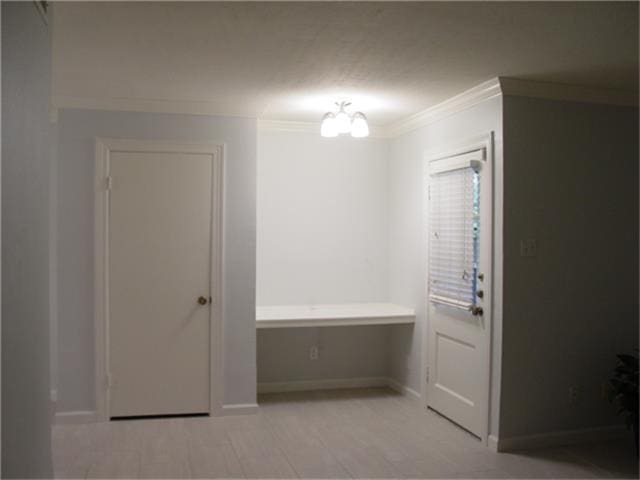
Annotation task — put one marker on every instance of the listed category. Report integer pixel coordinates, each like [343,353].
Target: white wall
[77,130]
[322,219]
[407,261]
[26,79]
[322,238]
[571,182]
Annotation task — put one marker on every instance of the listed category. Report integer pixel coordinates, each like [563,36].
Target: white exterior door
[159,244]
[459,286]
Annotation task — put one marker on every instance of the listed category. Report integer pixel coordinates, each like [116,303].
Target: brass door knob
[203,300]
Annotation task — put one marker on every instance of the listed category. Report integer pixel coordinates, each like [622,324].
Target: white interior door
[459,287]
[159,283]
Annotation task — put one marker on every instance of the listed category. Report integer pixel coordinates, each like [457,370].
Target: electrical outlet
[313,353]
[574,395]
[528,247]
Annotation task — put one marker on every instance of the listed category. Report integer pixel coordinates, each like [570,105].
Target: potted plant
[624,391]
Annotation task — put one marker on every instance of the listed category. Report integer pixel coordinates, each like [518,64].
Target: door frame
[102,184]
[486,142]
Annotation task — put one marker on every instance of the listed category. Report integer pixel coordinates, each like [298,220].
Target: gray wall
[344,352]
[571,181]
[77,130]
[407,263]
[26,79]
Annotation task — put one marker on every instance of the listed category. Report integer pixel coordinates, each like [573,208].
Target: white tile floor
[364,433]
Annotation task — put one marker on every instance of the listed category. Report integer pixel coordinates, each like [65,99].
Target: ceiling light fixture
[334,124]
[329,127]
[359,126]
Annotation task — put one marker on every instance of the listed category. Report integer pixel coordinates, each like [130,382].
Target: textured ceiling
[290,61]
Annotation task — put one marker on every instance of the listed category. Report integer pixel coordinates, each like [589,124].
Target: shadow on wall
[26,80]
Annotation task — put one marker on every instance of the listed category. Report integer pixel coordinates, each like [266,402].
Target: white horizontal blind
[454,235]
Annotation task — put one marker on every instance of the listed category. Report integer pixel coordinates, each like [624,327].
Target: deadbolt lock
[203,300]
[480,293]
[477,311]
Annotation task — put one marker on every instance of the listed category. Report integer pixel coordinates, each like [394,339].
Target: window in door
[454,219]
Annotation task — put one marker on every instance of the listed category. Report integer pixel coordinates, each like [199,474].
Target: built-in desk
[346,314]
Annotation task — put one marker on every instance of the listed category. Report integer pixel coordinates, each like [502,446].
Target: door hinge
[427,373]
[108,183]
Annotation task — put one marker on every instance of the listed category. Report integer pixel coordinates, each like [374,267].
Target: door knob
[477,311]
[203,300]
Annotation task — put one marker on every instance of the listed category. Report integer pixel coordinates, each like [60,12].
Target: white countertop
[346,314]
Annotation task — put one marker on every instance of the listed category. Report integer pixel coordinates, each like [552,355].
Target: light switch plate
[528,247]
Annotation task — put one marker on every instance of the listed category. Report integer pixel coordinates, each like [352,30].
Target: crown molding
[480,93]
[185,107]
[307,127]
[464,100]
[569,93]
[288,126]
[513,87]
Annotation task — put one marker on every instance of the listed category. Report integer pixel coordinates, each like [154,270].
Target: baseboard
[338,383]
[271,387]
[238,409]
[328,384]
[80,416]
[403,389]
[492,443]
[556,439]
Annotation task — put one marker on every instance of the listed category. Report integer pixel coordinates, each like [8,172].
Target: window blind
[454,220]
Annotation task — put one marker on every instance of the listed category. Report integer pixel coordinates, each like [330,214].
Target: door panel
[460,218]
[454,358]
[159,264]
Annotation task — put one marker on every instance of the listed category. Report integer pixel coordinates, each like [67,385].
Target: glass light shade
[359,126]
[329,127]
[343,122]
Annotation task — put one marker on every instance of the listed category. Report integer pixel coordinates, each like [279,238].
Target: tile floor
[364,433]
